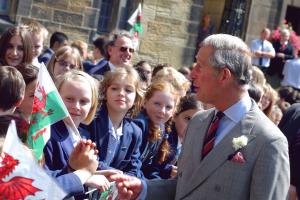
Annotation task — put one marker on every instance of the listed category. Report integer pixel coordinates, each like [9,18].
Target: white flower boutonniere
[239,142]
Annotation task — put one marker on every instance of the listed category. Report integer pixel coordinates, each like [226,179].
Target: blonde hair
[62,53]
[93,83]
[81,46]
[258,77]
[178,80]
[37,28]
[125,72]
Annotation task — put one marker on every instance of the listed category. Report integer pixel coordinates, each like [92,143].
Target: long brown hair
[24,34]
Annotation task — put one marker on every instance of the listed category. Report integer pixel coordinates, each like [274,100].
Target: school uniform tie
[262,49]
[210,136]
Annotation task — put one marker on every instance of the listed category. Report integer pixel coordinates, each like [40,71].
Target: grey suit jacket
[264,175]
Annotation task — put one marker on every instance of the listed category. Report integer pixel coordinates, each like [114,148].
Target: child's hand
[83,156]
[109,172]
[174,171]
[98,181]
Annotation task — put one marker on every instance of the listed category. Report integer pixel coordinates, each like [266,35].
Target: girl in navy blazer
[79,92]
[186,108]
[154,120]
[117,138]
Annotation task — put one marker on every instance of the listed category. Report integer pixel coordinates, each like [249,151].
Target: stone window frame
[10,13]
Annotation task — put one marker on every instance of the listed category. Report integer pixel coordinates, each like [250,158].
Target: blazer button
[217,188]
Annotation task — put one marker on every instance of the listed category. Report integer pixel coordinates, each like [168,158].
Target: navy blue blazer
[100,69]
[56,153]
[88,65]
[163,170]
[46,56]
[126,157]
[148,149]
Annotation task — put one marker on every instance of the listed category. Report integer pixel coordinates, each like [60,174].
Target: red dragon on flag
[18,187]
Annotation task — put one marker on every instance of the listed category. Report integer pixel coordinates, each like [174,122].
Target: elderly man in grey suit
[232,151]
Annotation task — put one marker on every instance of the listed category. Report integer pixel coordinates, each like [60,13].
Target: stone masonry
[77,18]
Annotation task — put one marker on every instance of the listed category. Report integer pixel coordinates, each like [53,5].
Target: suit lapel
[219,155]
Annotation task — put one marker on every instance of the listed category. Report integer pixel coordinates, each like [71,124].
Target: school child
[15,46]
[63,60]
[38,35]
[154,120]
[186,108]
[79,92]
[117,137]
[12,89]
[29,73]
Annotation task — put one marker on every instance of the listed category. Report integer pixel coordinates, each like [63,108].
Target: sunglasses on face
[124,49]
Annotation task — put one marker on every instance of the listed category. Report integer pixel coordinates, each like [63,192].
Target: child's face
[182,119]
[15,51]
[160,107]
[120,96]
[62,65]
[26,105]
[37,43]
[77,98]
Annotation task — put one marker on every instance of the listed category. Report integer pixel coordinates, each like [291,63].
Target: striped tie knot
[210,136]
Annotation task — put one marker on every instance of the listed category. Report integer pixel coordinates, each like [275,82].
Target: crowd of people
[157,132]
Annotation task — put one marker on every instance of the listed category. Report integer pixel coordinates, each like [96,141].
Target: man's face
[121,52]
[265,35]
[205,76]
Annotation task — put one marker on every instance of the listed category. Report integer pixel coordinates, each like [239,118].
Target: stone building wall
[170,31]
[77,18]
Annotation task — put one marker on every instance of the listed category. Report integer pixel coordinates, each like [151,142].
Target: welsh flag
[47,109]
[135,22]
[20,176]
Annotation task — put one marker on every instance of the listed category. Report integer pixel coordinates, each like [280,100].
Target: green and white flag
[47,109]
[135,22]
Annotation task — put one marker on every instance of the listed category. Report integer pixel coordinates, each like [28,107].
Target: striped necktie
[210,136]
[261,58]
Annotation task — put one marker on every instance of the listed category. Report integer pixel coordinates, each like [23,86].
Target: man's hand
[84,156]
[129,187]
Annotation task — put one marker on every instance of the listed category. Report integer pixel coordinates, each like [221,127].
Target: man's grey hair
[113,36]
[230,52]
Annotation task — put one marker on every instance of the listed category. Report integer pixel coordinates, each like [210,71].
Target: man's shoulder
[264,128]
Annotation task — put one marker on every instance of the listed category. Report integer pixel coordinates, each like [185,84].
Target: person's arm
[132,188]
[271,177]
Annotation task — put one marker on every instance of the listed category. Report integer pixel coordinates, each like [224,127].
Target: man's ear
[109,50]
[225,74]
